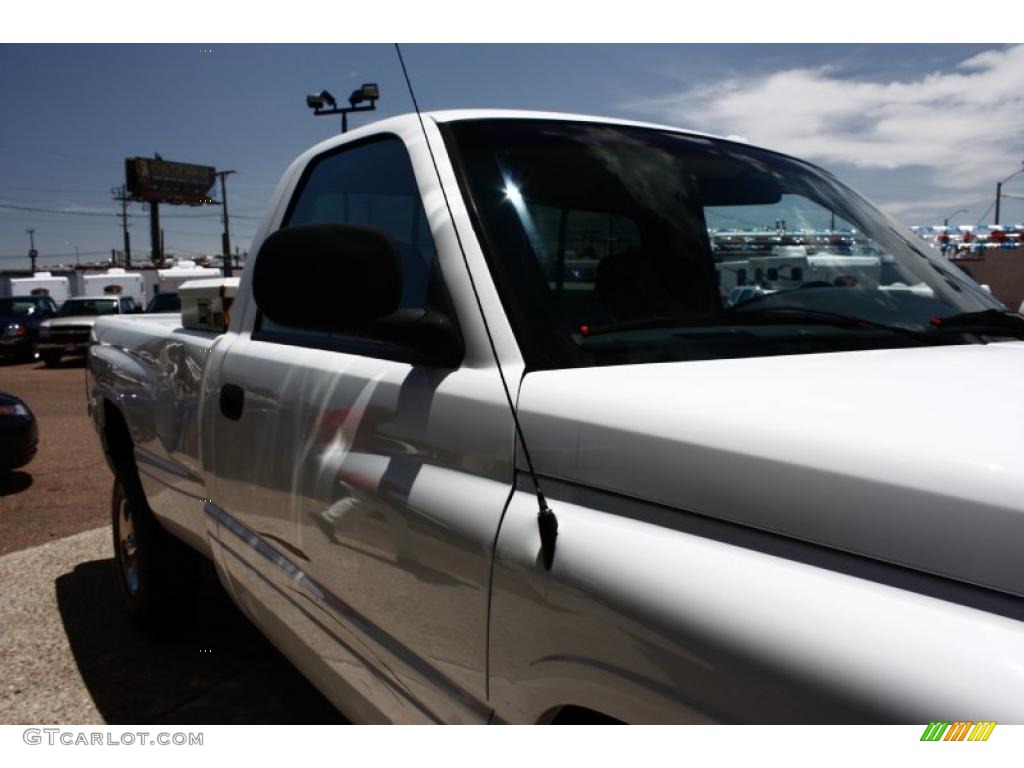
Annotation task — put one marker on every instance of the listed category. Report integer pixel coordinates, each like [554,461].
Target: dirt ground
[66,487]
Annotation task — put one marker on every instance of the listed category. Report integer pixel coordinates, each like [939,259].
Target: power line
[197,233]
[51,210]
[114,214]
[991,206]
[65,190]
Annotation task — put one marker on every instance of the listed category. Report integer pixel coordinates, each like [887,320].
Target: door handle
[232,401]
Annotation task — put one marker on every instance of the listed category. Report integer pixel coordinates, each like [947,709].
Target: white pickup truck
[455,478]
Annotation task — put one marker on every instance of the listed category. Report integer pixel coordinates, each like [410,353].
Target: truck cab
[456,326]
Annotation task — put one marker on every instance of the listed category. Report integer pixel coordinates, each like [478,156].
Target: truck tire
[50,360]
[158,574]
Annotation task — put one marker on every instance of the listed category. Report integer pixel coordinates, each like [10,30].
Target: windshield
[613,244]
[19,307]
[164,302]
[88,307]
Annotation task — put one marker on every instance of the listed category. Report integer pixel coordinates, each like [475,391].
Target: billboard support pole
[154,233]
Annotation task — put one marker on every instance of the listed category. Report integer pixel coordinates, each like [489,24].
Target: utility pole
[226,237]
[32,252]
[73,245]
[120,193]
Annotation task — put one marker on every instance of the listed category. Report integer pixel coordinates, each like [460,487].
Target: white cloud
[965,126]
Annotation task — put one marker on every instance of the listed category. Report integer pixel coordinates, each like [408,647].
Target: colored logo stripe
[982,730]
[958,731]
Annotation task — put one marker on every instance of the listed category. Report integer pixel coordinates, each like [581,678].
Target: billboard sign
[165,181]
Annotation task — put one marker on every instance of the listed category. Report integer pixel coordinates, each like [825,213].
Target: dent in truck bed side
[151,370]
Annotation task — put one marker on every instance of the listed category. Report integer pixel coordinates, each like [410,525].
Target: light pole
[324,103]
[999,190]
[945,222]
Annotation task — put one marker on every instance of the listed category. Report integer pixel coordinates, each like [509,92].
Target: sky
[921,130]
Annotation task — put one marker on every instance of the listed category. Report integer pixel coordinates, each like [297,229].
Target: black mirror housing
[327,277]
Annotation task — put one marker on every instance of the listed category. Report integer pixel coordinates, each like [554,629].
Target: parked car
[164,302]
[20,317]
[19,434]
[453,486]
[67,333]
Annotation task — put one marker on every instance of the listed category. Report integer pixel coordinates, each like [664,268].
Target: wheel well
[573,715]
[118,441]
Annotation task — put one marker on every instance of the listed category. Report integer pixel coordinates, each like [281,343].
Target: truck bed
[153,369]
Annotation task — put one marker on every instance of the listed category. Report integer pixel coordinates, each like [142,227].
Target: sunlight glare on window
[513,194]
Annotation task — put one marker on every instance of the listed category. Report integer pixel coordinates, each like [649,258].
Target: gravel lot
[69,653]
[66,487]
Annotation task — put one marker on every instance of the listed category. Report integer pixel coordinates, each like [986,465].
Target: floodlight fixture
[367,92]
[324,103]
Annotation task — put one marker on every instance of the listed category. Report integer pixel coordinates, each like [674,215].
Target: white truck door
[359,494]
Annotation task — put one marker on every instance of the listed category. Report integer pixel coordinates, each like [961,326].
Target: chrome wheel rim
[127,546]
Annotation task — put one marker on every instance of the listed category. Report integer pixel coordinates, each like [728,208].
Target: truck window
[370,184]
[571,245]
[680,224]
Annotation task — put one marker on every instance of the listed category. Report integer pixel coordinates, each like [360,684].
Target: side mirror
[347,279]
[327,277]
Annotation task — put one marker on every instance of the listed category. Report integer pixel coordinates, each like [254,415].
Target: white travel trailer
[791,267]
[830,267]
[117,281]
[170,279]
[42,284]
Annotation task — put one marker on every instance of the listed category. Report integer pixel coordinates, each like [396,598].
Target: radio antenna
[546,520]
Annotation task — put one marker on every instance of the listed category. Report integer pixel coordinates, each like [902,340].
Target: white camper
[117,282]
[170,279]
[42,284]
[865,271]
